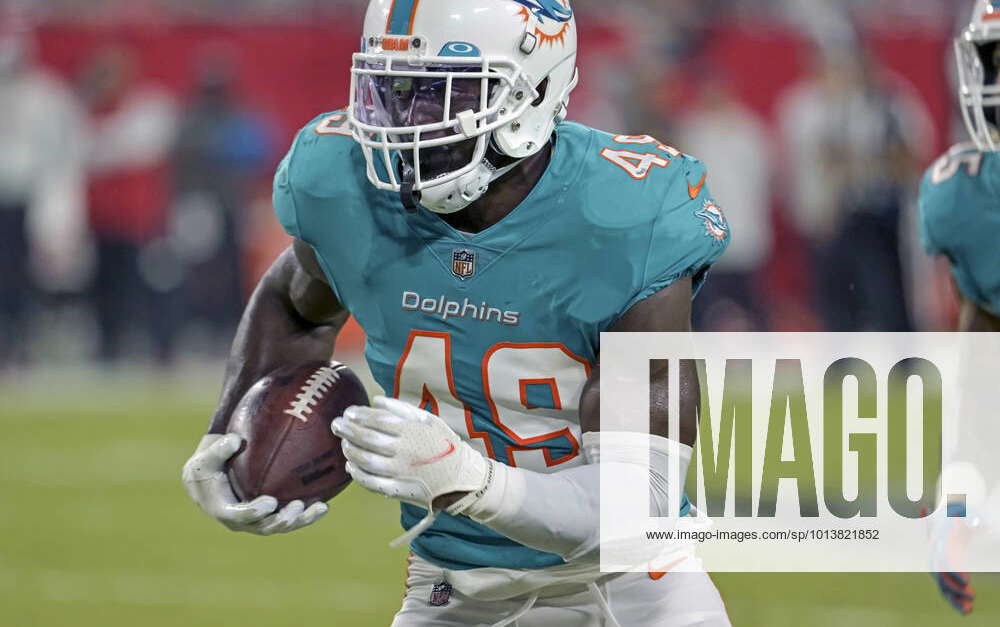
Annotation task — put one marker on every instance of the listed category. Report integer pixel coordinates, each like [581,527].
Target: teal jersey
[498,332]
[960,219]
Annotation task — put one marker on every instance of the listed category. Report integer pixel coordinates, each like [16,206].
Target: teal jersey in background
[960,219]
[497,332]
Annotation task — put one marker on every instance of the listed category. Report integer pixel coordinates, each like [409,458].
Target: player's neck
[504,195]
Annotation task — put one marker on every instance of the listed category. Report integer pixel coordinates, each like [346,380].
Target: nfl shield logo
[463,263]
[441,594]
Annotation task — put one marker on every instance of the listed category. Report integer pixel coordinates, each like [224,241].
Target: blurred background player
[854,138]
[732,141]
[132,129]
[959,221]
[43,243]
[221,147]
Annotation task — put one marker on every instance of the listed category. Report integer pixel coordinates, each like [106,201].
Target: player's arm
[404,452]
[664,312]
[292,317]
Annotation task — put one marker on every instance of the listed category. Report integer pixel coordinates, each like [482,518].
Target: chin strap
[407,195]
[495,156]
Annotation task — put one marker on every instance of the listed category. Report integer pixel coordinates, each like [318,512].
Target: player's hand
[205,480]
[950,536]
[409,454]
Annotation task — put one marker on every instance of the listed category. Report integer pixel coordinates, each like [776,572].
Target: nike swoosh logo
[656,576]
[424,462]
[694,190]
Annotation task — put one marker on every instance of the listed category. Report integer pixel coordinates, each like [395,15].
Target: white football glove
[205,480]
[406,453]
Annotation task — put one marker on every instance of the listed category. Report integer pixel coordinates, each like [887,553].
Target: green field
[97,531]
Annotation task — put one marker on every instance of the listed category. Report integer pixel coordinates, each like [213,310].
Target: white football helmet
[978,58]
[448,95]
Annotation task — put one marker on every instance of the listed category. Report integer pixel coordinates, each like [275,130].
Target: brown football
[288,449]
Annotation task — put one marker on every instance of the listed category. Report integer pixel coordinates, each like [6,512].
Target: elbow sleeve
[560,512]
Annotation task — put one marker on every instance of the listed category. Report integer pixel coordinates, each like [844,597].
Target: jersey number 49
[532,393]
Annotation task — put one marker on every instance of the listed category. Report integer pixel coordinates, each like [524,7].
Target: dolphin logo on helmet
[550,9]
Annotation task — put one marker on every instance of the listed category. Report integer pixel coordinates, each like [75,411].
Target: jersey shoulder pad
[690,232]
[640,170]
[324,164]
[662,194]
[953,193]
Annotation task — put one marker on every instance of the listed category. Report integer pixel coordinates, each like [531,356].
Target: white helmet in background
[449,95]
[978,55]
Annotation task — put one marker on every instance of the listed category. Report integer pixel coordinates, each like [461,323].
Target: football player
[959,220]
[483,243]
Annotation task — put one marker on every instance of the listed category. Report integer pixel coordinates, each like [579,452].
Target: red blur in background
[290,72]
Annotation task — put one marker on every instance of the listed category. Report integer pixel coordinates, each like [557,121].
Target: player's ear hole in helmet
[543,90]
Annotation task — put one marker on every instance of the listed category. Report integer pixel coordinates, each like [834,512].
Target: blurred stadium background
[138,138]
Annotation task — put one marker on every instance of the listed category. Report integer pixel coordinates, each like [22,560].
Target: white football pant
[619,600]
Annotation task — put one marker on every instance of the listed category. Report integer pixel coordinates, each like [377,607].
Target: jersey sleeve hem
[655,288]
[329,275]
